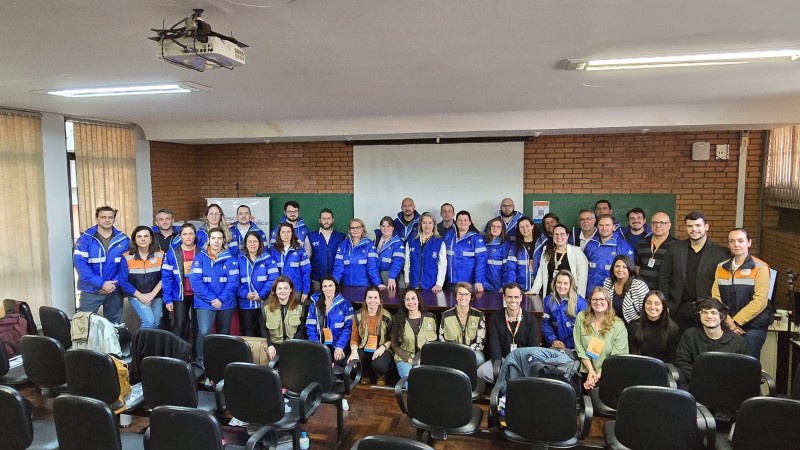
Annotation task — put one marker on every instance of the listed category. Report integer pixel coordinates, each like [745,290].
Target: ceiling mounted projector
[194,46]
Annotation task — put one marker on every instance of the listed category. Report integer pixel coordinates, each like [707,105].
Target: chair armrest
[146,439]
[274,362]
[585,415]
[674,375]
[398,394]
[309,401]
[494,400]
[219,397]
[767,378]
[707,425]
[264,435]
[351,379]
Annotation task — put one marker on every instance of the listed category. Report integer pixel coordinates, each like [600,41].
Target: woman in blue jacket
[140,276]
[560,309]
[212,219]
[178,294]
[466,254]
[496,255]
[391,255]
[292,260]
[257,273]
[356,261]
[521,264]
[426,257]
[330,320]
[214,279]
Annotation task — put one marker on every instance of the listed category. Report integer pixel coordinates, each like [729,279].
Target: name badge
[595,348]
[372,344]
[651,263]
[513,346]
[745,272]
[327,336]
[187,268]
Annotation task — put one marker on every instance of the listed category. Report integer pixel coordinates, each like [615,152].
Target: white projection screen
[473,177]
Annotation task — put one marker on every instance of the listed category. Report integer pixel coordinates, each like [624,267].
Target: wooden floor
[373,410]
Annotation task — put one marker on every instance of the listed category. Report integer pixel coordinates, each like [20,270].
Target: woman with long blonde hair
[561,308]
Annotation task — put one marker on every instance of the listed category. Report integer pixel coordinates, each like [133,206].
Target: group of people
[646,289]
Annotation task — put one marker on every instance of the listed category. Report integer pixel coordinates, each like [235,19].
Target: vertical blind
[783,168]
[105,158]
[24,258]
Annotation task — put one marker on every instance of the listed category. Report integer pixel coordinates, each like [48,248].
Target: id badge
[595,347]
[372,344]
[651,263]
[327,336]
[187,268]
[513,347]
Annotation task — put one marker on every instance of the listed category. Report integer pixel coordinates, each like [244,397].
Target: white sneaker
[345,405]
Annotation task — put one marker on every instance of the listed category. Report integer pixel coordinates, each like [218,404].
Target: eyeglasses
[559,234]
[292,211]
[463,294]
[660,224]
[355,228]
[598,300]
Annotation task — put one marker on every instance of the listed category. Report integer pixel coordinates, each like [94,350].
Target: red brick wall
[654,163]
[174,173]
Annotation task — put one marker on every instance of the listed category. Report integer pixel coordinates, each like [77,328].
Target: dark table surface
[485,301]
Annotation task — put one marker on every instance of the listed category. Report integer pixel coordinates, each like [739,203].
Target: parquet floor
[373,410]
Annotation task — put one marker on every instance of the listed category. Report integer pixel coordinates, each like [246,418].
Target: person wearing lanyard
[391,255]
[412,327]
[650,250]
[521,265]
[626,290]
[369,341]
[285,316]
[464,324]
[509,329]
[558,255]
[257,273]
[560,309]
[598,334]
[330,320]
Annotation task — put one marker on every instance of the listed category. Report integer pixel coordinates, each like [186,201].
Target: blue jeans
[755,338]
[150,315]
[205,319]
[111,303]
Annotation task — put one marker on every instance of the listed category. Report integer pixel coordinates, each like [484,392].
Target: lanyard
[463,327]
[508,325]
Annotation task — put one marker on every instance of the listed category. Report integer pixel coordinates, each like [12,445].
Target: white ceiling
[373,69]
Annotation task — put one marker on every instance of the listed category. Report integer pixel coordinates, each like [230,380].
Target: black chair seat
[44,363]
[456,356]
[470,428]
[15,376]
[765,423]
[511,436]
[207,401]
[389,443]
[176,427]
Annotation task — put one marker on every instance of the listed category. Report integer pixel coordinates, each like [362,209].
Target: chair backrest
[253,393]
[450,354]
[4,363]
[168,381]
[55,324]
[555,417]
[43,359]
[219,350]
[724,380]
[656,418]
[173,427]
[83,423]
[389,443]
[304,362]
[92,374]
[154,342]
[438,396]
[16,419]
[767,422]
[796,383]
[622,371]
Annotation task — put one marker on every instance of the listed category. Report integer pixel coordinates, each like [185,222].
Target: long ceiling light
[689,60]
[148,89]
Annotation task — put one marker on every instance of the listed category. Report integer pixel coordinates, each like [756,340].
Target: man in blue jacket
[406,225]
[324,243]
[291,215]
[97,255]
[602,249]
[239,230]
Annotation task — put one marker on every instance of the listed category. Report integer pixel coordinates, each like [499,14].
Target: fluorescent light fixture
[147,89]
[690,60]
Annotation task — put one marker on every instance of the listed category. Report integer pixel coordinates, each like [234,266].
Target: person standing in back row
[687,273]
[324,243]
[406,225]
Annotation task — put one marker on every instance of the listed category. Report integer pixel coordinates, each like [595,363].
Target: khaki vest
[452,328]
[383,328]
[275,327]
[427,333]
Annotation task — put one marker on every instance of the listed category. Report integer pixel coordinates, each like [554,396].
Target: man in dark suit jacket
[687,273]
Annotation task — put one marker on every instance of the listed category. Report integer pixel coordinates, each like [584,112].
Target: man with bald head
[406,225]
[509,216]
[650,250]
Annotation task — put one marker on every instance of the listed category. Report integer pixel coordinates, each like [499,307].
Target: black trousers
[252,322]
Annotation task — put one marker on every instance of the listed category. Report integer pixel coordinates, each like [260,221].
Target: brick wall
[175,182]
[654,163]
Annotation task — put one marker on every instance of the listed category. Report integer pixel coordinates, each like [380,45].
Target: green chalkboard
[566,206]
[310,206]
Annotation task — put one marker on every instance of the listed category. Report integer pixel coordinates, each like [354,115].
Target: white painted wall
[144,185]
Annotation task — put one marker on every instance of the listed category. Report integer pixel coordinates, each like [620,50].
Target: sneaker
[381,381]
[345,405]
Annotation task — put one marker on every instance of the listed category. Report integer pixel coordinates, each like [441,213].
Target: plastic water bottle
[305,443]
